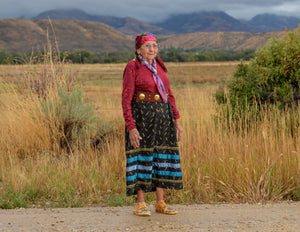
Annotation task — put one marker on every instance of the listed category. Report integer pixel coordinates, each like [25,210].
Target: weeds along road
[284,216]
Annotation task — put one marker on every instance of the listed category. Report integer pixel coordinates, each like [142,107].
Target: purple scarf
[156,78]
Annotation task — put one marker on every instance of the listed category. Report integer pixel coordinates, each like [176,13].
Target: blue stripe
[166,173]
[138,175]
[140,158]
[140,167]
[166,156]
[167,165]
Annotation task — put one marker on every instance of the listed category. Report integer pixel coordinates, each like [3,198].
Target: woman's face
[148,50]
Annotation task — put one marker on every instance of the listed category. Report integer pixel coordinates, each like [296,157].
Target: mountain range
[204,21]
[26,35]
[77,30]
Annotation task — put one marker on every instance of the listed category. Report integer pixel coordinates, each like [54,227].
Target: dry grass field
[261,164]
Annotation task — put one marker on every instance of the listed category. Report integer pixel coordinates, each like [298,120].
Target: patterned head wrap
[140,39]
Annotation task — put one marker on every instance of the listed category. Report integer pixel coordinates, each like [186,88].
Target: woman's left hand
[178,129]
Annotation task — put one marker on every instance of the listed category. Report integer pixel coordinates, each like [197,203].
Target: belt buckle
[156,97]
[142,96]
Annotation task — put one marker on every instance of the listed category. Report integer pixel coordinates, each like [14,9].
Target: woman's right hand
[135,138]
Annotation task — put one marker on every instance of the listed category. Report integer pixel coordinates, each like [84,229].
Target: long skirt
[156,163]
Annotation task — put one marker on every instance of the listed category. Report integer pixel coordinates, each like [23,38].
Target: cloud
[151,11]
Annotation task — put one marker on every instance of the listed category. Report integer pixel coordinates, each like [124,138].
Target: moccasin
[162,207]
[141,209]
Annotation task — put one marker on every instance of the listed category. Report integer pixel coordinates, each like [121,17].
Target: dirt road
[283,216]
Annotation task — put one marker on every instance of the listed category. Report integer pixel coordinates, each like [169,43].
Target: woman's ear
[138,51]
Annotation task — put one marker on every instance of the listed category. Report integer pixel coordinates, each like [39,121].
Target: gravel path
[283,216]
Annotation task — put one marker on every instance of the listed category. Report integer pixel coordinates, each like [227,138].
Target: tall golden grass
[261,164]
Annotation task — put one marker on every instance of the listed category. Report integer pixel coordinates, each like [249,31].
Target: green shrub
[271,78]
[71,120]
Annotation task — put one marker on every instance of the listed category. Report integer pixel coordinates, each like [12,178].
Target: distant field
[103,82]
[261,164]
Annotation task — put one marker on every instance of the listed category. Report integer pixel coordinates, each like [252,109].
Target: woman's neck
[149,61]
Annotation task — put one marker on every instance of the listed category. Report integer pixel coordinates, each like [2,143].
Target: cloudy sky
[151,10]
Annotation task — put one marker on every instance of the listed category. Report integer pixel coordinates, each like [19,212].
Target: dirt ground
[284,216]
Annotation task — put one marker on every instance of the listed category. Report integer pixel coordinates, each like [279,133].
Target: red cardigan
[138,78]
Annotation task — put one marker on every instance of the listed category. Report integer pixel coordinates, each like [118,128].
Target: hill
[235,41]
[24,35]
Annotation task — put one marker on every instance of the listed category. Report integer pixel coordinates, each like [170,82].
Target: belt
[147,97]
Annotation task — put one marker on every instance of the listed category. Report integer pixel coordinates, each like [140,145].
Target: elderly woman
[152,128]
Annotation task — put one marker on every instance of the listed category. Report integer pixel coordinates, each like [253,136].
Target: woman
[152,126]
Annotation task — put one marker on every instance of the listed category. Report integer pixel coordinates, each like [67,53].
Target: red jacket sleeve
[173,103]
[127,94]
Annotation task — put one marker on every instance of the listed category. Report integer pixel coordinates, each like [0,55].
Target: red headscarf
[140,39]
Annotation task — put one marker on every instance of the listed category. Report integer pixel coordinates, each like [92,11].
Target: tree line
[87,57]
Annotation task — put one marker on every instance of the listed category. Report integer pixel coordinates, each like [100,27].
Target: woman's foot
[162,207]
[141,209]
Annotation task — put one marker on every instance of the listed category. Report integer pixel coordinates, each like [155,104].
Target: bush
[71,120]
[272,77]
